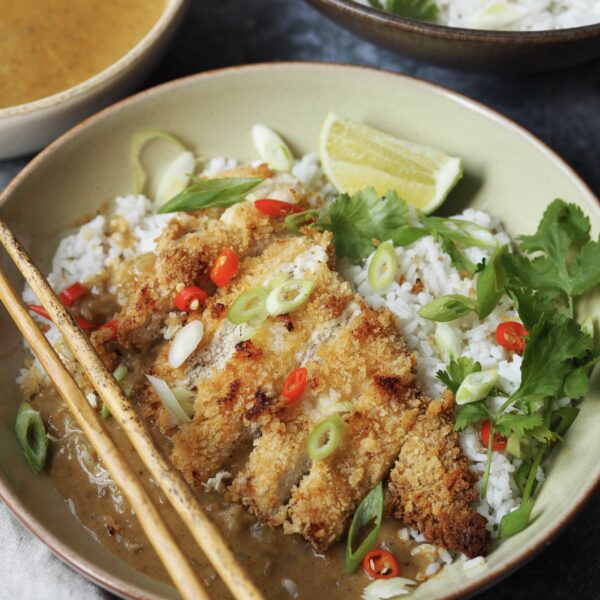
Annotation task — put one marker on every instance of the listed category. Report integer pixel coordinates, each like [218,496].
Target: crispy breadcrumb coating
[431,486]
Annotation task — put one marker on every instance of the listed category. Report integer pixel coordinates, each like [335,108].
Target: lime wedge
[355,156]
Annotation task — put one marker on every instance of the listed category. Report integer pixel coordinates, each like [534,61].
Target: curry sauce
[47,46]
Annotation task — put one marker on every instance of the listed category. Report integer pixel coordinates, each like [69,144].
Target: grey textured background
[563,109]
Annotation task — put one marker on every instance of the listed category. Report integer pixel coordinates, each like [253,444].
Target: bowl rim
[156,32]
[492,36]
[115,584]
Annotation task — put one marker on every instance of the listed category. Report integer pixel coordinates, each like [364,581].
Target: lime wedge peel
[355,156]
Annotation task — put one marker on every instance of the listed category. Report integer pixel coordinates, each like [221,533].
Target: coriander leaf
[376,4]
[543,434]
[210,193]
[515,521]
[562,226]
[563,230]
[553,346]
[516,424]
[456,372]
[585,269]
[471,413]
[532,305]
[490,283]
[447,308]
[538,274]
[577,384]
[356,221]
[423,10]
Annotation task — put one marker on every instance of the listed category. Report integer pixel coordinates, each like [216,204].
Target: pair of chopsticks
[170,481]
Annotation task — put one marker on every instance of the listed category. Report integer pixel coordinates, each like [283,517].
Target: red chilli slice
[225,267]
[511,335]
[276,208]
[72,293]
[190,299]
[380,564]
[295,385]
[499,442]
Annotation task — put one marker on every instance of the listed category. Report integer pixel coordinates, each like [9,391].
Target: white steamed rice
[516,15]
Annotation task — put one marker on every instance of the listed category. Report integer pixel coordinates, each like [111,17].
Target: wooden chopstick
[177,491]
[124,475]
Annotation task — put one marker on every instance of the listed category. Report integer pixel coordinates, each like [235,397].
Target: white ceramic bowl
[28,127]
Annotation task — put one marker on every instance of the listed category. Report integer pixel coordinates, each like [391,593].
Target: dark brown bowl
[467,49]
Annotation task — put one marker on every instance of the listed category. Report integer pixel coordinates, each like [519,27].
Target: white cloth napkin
[29,571]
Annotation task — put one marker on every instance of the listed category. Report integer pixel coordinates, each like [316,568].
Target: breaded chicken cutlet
[354,355]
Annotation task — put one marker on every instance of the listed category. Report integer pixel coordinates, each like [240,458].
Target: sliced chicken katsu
[431,486]
[187,249]
[355,356]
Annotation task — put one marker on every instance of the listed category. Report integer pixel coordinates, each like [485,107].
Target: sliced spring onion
[371,508]
[479,236]
[168,399]
[31,434]
[186,340]
[447,308]
[387,589]
[513,446]
[271,148]
[383,267]
[120,372]
[289,296]
[325,437]
[277,280]
[220,192]
[447,341]
[294,221]
[175,178]
[248,306]
[138,142]
[476,386]
[185,399]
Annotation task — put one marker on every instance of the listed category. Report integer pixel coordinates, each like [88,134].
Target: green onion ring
[31,434]
[476,386]
[120,372]
[248,306]
[331,429]
[383,267]
[289,296]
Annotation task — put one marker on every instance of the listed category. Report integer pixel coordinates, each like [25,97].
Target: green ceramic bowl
[507,171]
[467,49]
